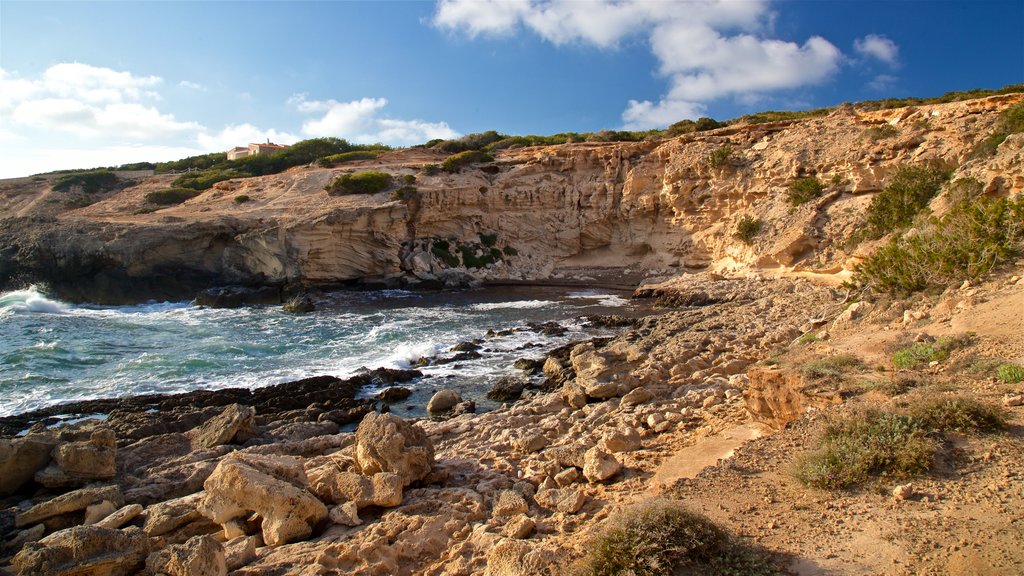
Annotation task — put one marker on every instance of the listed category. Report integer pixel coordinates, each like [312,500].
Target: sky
[86,84]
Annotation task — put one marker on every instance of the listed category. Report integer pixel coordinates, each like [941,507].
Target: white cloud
[361,121]
[192,86]
[89,102]
[882,83]
[708,49]
[241,135]
[878,47]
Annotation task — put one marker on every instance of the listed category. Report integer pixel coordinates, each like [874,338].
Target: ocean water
[52,351]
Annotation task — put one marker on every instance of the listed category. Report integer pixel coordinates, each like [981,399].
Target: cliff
[660,207]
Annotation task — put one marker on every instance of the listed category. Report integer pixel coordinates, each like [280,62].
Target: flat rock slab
[689,461]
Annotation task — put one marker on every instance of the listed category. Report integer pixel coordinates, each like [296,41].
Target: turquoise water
[52,351]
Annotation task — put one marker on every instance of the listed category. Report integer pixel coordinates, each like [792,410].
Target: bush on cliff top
[456,162]
[90,182]
[171,196]
[368,182]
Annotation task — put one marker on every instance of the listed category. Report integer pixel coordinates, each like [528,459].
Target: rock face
[274,488]
[200,556]
[70,502]
[237,423]
[75,463]
[381,489]
[386,443]
[775,397]
[85,551]
[21,458]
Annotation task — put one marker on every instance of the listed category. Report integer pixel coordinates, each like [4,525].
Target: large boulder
[170,515]
[21,458]
[383,489]
[599,465]
[236,423]
[596,373]
[276,491]
[507,389]
[81,462]
[199,556]
[85,551]
[443,401]
[386,443]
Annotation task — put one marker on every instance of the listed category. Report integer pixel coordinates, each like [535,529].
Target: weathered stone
[573,395]
[599,465]
[21,458]
[507,389]
[532,442]
[568,455]
[98,511]
[382,489]
[386,443]
[76,463]
[71,502]
[620,440]
[301,304]
[520,527]
[443,401]
[565,500]
[236,423]
[775,397]
[85,551]
[239,552]
[506,559]
[121,517]
[510,503]
[903,491]
[394,394]
[236,488]
[165,516]
[346,514]
[596,373]
[552,368]
[199,556]
[637,396]
[567,477]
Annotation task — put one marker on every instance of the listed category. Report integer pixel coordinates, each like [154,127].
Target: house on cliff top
[254,150]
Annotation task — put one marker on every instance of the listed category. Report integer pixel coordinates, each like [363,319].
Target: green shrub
[409,179]
[1011,121]
[510,251]
[335,159]
[1010,373]
[404,193]
[719,157]
[747,229]
[477,141]
[207,178]
[471,260]
[909,192]
[855,447]
[804,190]
[430,169]
[242,199]
[456,162]
[880,132]
[920,354]
[442,250]
[945,98]
[808,338]
[661,537]
[368,182]
[830,368]
[959,413]
[781,115]
[973,238]
[489,239]
[90,182]
[171,196]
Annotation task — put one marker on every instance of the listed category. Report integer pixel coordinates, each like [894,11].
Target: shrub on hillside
[171,196]
[335,159]
[368,182]
[456,162]
[804,190]
[747,229]
[89,182]
[719,157]
[907,194]
[880,132]
[242,199]
[1011,121]
[957,413]
[1010,373]
[973,238]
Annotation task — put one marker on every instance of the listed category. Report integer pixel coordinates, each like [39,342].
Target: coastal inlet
[53,352]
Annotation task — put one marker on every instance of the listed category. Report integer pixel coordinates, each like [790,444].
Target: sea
[53,351]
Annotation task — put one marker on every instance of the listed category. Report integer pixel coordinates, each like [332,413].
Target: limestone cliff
[658,205]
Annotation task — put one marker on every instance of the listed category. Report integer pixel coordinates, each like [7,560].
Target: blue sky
[103,83]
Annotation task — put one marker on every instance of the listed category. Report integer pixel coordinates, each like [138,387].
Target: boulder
[121,517]
[236,488]
[637,396]
[383,489]
[199,556]
[507,389]
[169,515]
[573,395]
[74,501]
[240,552]
[96,512]
[85,551]
[394,394]
[566,455]
[532,442]
[565,500]
[77,463]
[346,514]
[596,373]
[21,458]
[520,527]
[386,443]
[599,465]
[552,368]
[510,503]
[301,304]
[443,401]
[236,423]
[620,440]
[567,477]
